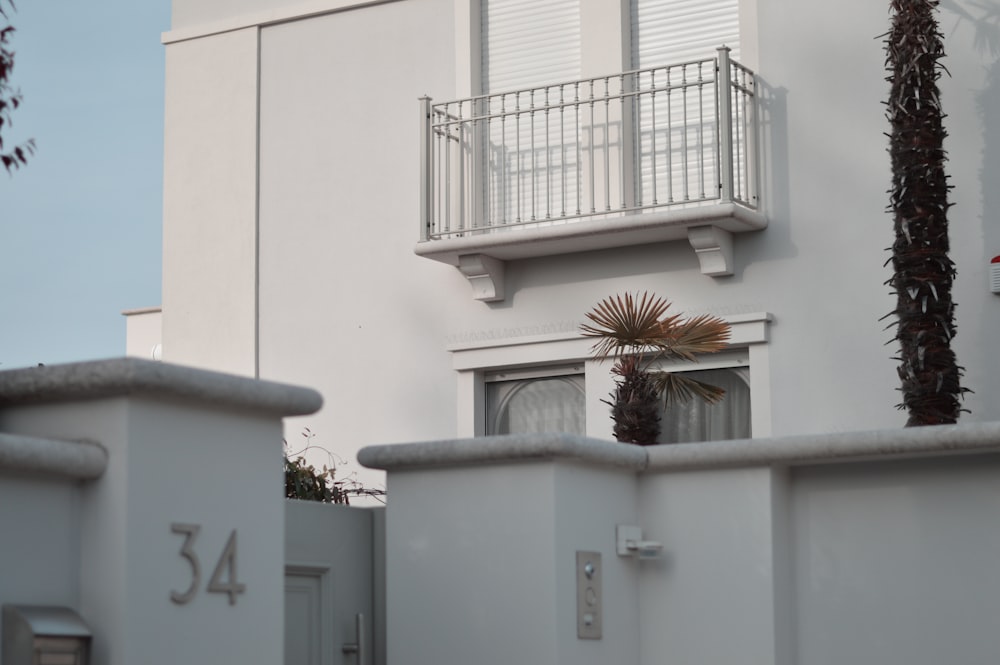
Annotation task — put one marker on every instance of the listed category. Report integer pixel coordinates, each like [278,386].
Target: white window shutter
[679,162]
[527,43]
[674,31]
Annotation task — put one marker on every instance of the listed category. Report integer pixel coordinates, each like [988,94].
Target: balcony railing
[676,136]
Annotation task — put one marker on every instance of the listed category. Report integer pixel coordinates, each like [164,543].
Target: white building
[314,217]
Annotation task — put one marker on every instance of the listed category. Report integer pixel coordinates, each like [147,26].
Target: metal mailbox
[42,635]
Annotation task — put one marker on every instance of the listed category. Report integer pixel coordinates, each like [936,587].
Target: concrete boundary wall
[854,547]
[136,494]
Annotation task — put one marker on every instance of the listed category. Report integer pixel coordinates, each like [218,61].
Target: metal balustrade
[605,147]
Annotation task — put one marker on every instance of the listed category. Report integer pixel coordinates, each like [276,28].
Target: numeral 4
[227,566]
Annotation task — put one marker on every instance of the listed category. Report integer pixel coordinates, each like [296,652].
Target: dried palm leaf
[627,324]
[677,388]
[701,334]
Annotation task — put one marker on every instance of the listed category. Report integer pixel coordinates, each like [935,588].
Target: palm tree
[922,271]
[637,333]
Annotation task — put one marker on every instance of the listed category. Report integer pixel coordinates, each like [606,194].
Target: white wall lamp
[995,274]
[630,543]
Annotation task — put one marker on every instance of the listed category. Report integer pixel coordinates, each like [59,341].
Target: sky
[80,225]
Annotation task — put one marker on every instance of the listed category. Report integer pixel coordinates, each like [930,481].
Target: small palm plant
[637,332]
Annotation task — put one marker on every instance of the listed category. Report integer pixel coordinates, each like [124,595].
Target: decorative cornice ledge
[73,460]
[785,451]
[124,377]
[508,448]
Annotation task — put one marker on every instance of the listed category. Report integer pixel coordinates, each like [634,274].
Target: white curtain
[698,421]
[553,404]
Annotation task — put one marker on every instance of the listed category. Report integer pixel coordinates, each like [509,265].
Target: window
[553,400]
[699,421]
[512,380]
[543,401]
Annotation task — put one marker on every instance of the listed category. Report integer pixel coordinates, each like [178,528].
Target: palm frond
[627,324]
[700,334]
[679,389]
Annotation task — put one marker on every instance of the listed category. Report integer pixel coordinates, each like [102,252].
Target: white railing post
[426,166]
[479,160]
[630,142]
[724,91]
[753,156]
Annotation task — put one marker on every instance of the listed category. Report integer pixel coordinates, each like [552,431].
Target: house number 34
[225,567]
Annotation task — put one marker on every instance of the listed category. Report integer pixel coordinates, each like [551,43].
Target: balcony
[644,156]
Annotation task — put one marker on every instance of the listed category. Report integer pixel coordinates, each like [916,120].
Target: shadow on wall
[983,16]
[988,106]
[775,242]
[989,110]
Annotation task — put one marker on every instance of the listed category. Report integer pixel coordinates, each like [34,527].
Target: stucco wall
[893,561]
[499,564]
[40,522]
[871,547]
[344,305]
[210,203]
[822,66]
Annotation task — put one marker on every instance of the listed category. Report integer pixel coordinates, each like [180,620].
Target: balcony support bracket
[714,248]
[485,274]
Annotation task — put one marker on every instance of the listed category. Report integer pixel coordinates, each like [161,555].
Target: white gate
[334,584]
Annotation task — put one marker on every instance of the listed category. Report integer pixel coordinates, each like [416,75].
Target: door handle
[358,646]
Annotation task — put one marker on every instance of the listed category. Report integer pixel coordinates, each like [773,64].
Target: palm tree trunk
[922,271]
[635,403]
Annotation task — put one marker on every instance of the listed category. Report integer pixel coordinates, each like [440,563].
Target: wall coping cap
[133,377]
[800,449]
[828,448]
[58,458]
[506,448]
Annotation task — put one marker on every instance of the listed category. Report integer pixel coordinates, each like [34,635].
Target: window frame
[491,352]
[555,372]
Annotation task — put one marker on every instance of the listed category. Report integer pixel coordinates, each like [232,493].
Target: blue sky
[80,226]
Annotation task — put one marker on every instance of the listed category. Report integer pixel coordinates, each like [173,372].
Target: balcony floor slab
[549,238]
[481,254]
